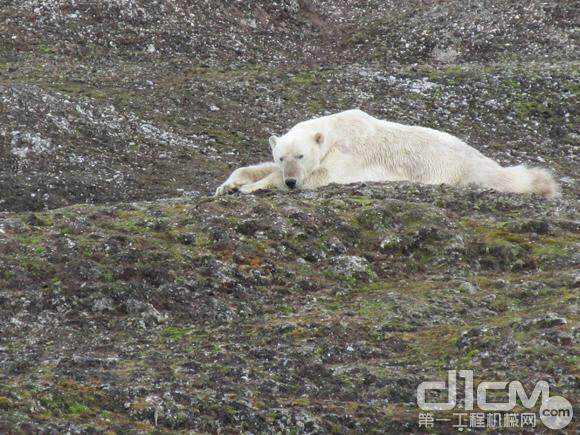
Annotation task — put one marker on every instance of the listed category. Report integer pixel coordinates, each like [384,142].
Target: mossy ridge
[504,248]
[66,400]
[403,320]
[160,234]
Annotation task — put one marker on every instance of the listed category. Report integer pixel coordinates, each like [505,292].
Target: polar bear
[354,146]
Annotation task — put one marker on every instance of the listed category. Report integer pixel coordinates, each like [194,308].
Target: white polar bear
[353,146]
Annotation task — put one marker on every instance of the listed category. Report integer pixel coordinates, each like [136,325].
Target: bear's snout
[291,183]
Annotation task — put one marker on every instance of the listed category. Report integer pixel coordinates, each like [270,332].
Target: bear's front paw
[249,188]
[226,189]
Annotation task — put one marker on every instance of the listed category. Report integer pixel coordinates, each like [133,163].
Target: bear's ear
[318,138]
[273,141]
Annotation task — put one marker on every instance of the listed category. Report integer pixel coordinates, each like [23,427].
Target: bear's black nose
[291,183]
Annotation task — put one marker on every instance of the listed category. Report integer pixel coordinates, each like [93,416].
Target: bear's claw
[226,189]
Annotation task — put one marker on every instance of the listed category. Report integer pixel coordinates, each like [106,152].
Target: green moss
[286,309]
[358,38]
[514,84]
[133,222]
[77,409]
[361,200]
[316,105]
[472,353]
[304,78]
[525,108]
[38,220]
[5,403]
[301,402]
[496,247]
[447,75]
[376,218]
[45,49]
[503,248]
[419,215]
[551,250]
[61,405]
[455,71]
[87,247]
[81,89]
[37,267]
[30,253]
[348,280]
[374,309]
[501,303]
[174,333]
[224,137]
[28,240]
[434,346]
[108,276]
[218,73]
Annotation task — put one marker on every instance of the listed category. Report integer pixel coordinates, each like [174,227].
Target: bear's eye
[281,159]
[300,156]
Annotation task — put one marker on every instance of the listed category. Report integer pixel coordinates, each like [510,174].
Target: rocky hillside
[130,299]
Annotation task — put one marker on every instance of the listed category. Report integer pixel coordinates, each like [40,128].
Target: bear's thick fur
[353,146]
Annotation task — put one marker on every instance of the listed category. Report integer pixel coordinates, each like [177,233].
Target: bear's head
[298,153]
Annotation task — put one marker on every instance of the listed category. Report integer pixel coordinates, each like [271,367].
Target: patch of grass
[358,38]
[45,49]
[174,333]
[550,249]
[434,346]
[77,409]
[514,250]
[40,220]
[133,222]
[348,280]
[497,247]
[455,71]
[62,405]
[361,200]
[304,78]
[286,309]
[5,403]
[525,108]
